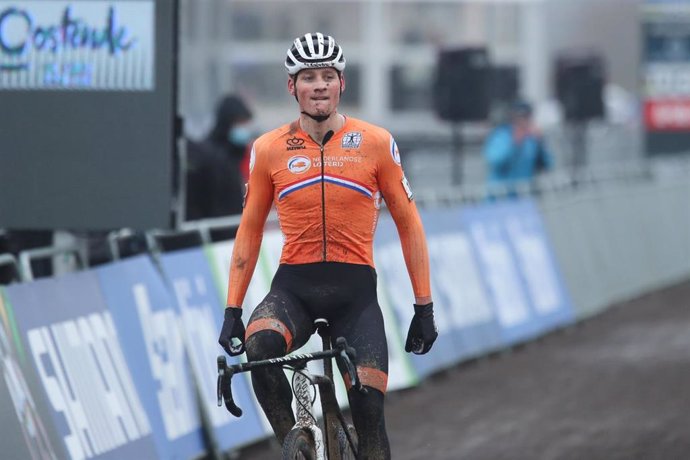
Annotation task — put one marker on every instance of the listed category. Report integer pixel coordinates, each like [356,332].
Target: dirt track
[613,387]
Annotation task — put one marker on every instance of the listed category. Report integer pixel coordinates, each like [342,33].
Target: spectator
[515,152]
[214,180]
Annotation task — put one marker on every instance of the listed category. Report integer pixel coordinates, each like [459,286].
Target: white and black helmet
[313,51]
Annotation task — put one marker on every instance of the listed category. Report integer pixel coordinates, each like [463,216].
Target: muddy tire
[346,452]
[299,445]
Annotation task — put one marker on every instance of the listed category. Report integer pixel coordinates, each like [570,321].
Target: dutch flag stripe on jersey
[336,180]
[356,186]
[298,185]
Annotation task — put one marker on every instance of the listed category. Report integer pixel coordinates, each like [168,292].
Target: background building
[392,50]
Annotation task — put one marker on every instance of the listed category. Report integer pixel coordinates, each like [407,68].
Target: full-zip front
[323,200]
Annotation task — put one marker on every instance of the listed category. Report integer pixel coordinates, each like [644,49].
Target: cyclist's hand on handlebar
[423,332]
[233,328]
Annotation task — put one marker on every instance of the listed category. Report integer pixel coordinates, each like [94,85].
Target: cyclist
[327,174]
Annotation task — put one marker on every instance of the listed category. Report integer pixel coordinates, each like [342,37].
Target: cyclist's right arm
[258,200]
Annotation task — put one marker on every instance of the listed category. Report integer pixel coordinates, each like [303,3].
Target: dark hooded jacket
[214,182]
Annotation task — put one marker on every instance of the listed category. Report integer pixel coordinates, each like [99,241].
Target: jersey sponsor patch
[252,159]
[377,200]
[408,190]
[352,140]
[295,143]
[298,164]
[395,153]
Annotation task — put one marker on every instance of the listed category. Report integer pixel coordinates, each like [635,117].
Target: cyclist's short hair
[314,51]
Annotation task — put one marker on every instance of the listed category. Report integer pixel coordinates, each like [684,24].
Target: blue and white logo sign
[201,315]
[96,408]
[149,327]
[87,45]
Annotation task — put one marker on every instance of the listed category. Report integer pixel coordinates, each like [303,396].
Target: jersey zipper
[323,200]
[322,146]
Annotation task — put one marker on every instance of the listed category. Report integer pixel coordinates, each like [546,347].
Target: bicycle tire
[346,452]
[299,445]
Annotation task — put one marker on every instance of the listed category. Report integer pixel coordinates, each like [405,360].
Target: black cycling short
[345,295]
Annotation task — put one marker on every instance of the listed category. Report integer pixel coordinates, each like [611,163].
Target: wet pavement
[616,386]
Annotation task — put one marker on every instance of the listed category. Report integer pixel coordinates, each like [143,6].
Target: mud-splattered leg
[277,326]
[362,327]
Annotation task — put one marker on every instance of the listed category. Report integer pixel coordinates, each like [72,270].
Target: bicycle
[306,439]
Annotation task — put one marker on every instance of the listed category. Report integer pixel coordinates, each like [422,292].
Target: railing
[201,232]
[8,260]
[30,255]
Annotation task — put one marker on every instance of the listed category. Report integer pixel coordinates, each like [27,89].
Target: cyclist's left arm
[258,200]
[399,200]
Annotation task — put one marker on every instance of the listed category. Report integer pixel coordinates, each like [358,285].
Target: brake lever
[349,357]
[224,387]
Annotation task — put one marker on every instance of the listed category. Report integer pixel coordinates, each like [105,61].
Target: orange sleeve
[258,200]
[398,196]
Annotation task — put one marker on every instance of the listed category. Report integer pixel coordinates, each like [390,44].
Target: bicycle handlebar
[224,388]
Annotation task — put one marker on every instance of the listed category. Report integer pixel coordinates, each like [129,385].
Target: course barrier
[119,361]
[618,242]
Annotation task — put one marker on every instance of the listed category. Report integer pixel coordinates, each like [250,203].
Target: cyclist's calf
[271,387]
[369,421]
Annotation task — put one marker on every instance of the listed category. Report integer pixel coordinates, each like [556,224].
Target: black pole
[458,160]
[578,144]
[178,145]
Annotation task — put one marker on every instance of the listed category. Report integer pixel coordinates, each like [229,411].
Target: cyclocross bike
[334,438]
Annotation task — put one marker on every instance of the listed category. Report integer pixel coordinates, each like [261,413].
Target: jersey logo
[352,140]
[298,164]
[252,159]
[395,153]
[408,189]
[295,143]
[377,200]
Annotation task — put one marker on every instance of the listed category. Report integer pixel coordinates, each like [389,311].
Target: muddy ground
[616,386]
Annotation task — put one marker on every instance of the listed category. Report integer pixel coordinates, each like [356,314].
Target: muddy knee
[265,345]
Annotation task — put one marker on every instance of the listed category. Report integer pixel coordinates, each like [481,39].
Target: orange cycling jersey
[327,198]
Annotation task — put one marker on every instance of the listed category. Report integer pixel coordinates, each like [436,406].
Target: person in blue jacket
[515,152]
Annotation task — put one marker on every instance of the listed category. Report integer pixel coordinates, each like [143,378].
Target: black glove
[233,328]
[423,332]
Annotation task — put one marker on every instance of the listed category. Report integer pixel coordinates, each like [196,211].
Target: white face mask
[240,135]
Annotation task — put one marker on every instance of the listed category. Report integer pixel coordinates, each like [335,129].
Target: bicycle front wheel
[346,449]
[299,445]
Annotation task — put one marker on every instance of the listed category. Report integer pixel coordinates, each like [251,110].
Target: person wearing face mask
[327,175]
[515,153]
[214,179]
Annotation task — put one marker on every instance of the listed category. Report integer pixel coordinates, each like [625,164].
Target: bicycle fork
[305,414]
